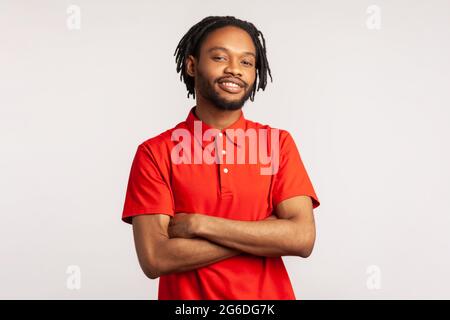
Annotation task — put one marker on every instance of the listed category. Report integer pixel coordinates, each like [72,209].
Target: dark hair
[191,42]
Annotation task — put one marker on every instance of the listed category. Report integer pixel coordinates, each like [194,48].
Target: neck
[214,117]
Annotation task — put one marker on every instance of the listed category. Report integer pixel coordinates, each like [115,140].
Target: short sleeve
[291,179]
[148,190]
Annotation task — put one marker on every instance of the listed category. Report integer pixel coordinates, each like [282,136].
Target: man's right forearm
[179,254]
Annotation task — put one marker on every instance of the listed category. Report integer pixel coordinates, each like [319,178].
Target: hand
[183,225]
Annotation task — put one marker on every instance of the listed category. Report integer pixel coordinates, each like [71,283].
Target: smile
[230,87]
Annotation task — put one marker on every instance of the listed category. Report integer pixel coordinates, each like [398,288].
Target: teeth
[230,84]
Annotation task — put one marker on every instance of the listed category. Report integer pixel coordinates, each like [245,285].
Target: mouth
[230,87]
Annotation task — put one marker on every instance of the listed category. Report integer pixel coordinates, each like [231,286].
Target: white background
[368,109]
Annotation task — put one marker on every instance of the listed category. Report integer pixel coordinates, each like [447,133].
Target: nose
[233,68]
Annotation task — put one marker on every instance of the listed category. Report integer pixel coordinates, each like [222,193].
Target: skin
[237,60]
[189,241]
[292,234]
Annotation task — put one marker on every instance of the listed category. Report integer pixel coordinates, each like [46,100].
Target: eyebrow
[225,49]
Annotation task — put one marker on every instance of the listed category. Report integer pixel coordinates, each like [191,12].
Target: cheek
[251,76]
[204,77]
[211,71]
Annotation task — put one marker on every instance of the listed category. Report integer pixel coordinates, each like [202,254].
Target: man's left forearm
[271,238]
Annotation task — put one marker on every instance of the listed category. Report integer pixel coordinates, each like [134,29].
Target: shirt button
[220,134]
[223,151]
[225,170]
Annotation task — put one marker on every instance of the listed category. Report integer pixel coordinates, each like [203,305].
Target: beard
[207,91]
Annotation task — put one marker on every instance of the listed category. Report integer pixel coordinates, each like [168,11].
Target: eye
[248,63]
[216,58]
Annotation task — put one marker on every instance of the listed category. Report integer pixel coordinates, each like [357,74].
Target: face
[226,69]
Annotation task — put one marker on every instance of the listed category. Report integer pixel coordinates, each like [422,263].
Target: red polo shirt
[229,190]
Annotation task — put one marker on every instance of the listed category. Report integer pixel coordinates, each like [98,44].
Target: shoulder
[162,142]
[282,134]
[157,149]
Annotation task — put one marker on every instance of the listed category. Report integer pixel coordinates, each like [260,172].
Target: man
[208,227]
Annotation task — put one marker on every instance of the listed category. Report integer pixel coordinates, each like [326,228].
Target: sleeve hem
[129,214]
[314,199]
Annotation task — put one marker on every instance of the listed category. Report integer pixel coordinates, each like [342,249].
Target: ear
[191,65]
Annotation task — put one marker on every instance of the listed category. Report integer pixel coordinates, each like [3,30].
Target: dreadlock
[191,42]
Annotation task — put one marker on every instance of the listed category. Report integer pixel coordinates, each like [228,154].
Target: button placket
[224,169]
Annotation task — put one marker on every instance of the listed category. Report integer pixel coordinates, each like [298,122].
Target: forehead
[232,38]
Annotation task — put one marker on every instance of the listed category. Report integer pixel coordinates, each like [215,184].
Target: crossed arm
[189,241]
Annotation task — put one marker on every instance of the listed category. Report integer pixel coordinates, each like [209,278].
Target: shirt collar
[241,123]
